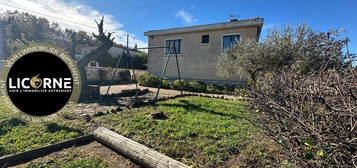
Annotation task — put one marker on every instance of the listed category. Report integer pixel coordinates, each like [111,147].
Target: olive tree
[286,47]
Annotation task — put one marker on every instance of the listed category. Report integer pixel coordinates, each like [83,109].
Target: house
[198,48]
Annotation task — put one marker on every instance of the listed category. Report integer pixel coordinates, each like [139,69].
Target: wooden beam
[137,152]
[15,159]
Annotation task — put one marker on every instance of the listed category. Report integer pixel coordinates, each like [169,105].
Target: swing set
[171,50]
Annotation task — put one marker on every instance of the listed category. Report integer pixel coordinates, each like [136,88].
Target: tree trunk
[107,43]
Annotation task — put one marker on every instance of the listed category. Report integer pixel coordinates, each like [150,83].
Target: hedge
[149,80]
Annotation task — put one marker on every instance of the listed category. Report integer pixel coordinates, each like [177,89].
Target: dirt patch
[118,88]
[163,92]
[92,150]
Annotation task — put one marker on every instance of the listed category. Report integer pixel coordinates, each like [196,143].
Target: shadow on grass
[189,106]
[53,127]
[9,124]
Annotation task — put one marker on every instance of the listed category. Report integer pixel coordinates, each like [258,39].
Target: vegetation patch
[70,160]
[198,131]
[18,136]
[149,80]
[93,155]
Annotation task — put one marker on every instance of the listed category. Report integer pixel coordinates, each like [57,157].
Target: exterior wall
[197,61]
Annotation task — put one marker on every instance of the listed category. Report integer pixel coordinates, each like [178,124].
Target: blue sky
[138,16]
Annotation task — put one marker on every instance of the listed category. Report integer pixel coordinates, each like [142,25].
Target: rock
[133,103]
[118,109]
[69,117]
[87,118]
[157,114]
[98,114]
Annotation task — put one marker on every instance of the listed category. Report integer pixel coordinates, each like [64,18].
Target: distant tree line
[23,28]
[138,60]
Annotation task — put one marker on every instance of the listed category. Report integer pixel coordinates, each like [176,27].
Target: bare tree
[106,43]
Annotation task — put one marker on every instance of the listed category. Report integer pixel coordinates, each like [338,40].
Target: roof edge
[223,25]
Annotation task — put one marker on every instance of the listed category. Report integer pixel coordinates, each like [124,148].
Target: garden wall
[102,75]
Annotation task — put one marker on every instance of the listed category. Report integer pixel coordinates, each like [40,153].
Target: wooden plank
[137,152]
[15,159]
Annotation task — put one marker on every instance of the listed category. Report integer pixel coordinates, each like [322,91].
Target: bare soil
[163,92]
[93,149]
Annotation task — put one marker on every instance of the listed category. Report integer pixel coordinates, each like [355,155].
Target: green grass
[199,131]
[18,136]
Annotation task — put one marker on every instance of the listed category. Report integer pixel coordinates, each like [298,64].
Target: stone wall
[100,75]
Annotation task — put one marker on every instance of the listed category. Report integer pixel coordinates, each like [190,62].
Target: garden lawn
[201,132]
[17,136]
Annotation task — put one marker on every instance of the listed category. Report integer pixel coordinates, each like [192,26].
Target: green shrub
[176,85]
[228,89]
[240,92]
[213,89]
[197,87]
[147,79]
[165,84]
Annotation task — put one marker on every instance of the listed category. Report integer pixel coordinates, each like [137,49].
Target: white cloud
[186,17]
[71,15]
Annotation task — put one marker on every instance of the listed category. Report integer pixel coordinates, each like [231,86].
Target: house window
[229,41]
[205,39]
[177,45]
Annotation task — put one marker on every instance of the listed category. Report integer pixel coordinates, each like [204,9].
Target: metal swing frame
[127,51]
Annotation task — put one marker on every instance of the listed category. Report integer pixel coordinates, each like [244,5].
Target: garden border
[134,151]
[16,159]
[153,102]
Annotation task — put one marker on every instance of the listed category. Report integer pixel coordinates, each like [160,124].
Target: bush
[214,89]
[149,80]
[197,87]
[176,85]
[125,75]
[139,60]
[228,89]
[301,47]
[240,92]
[165,84]
[313,116]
